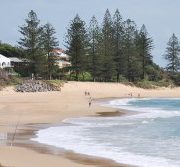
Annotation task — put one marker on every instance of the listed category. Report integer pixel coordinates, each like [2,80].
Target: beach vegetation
[94,54]
[118,33]
[76,43]
[10,81]
[85,76]
[144,45]
[11,51]
[57,83]
[38,41]
[106,46]
[172,55]
[49,42]
[31,42]
[115,50]
[146,84]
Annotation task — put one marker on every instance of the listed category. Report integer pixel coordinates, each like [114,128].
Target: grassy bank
[11,81]
[145,84]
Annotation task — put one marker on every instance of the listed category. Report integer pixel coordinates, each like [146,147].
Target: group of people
[87,93]
[131,95]
[90,98]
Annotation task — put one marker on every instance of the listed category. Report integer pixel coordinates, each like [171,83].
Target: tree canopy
[111,51]
[172,54]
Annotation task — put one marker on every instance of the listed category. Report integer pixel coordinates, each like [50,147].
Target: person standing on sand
[130,94]
[90,102]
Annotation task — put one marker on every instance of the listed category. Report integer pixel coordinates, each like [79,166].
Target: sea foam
[118,138]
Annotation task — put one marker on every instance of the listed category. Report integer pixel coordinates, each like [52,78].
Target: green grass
[56,83]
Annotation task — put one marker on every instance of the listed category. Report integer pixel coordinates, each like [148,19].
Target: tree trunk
[118,77]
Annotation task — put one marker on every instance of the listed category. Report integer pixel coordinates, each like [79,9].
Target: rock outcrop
[36,86]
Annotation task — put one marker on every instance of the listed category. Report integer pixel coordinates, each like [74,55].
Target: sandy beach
[48,108]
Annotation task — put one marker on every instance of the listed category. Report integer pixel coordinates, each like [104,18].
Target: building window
[3,64]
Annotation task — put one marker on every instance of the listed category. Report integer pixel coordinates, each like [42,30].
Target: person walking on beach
[139,95]
[130,94]
[90,101]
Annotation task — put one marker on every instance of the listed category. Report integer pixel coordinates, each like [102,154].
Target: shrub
[57,83]
[12,80]
[84,76]
[145,84]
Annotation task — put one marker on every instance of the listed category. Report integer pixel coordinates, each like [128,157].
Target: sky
[159,16]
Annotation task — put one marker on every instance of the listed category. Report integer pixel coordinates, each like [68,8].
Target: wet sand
[21,141]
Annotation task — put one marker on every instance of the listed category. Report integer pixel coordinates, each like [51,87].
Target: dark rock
[36,86]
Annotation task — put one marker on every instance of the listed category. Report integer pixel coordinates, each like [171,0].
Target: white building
[4,62]
[63,58]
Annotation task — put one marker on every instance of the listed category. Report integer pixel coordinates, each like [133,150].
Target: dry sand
[51,107]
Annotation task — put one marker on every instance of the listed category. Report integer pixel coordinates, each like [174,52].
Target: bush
[10,81]
[145,84]
[57,83]
[176,78]
[154,73]
[85,76]
[15,80]
[122,79]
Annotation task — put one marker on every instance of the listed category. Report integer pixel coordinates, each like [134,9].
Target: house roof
[18,60]
[4,59]
[64,62]
[58,50]
[61,53]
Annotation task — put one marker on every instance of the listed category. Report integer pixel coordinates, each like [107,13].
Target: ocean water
[150,138]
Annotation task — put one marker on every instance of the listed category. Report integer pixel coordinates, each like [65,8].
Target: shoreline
[79,159]
[68,154]
[51,108]
[26,133]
